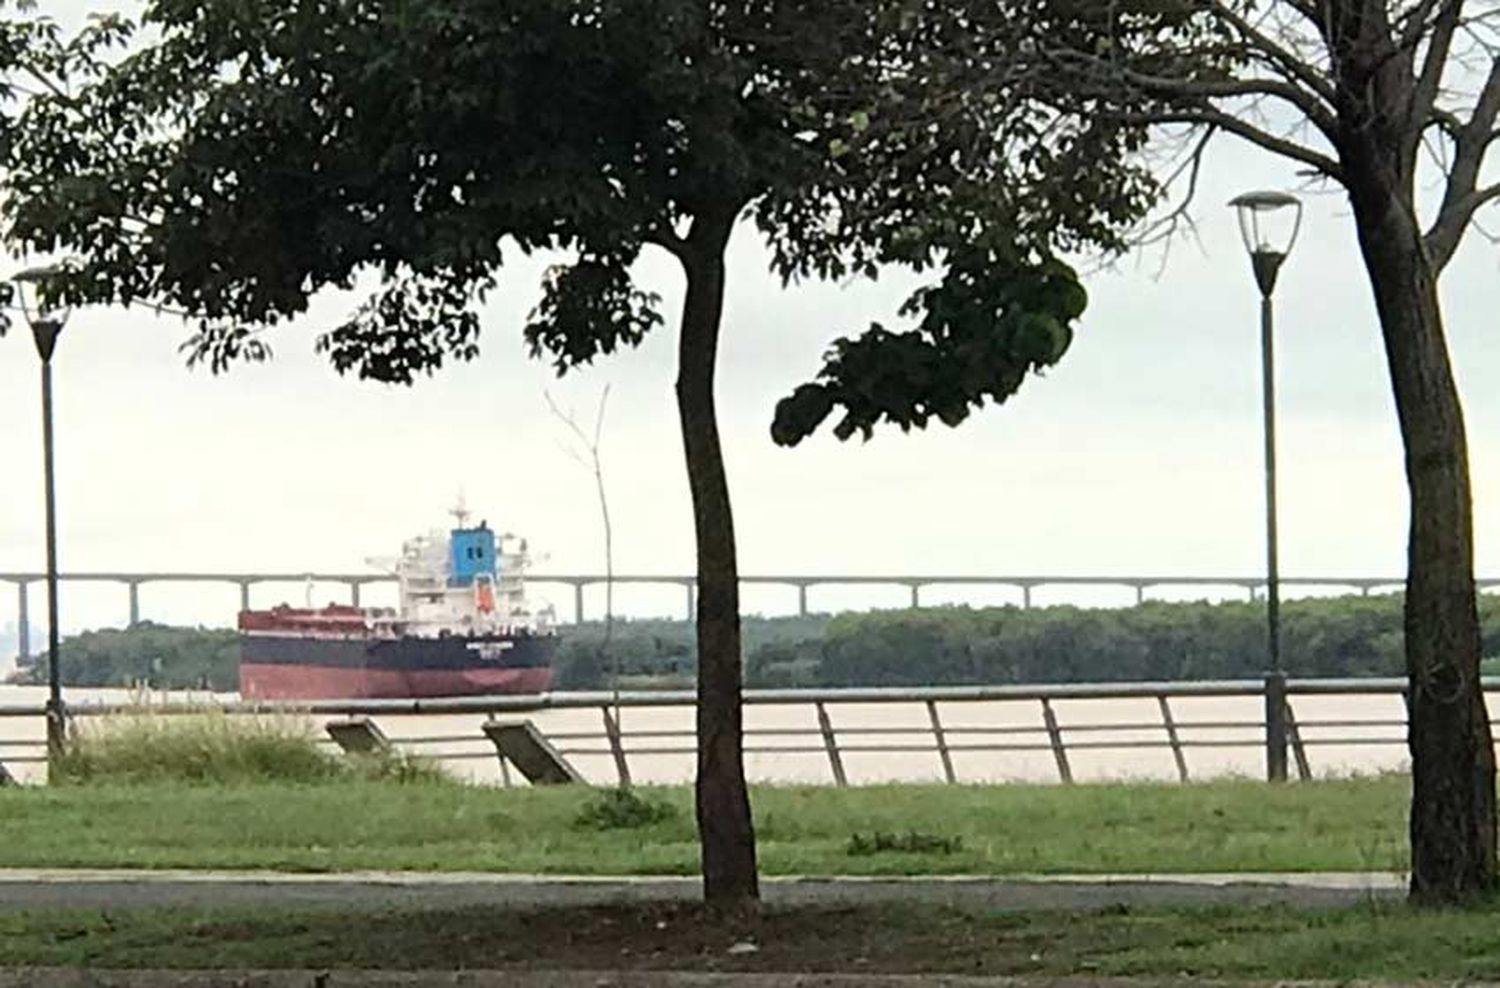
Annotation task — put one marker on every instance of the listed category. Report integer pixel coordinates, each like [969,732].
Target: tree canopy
[253,155]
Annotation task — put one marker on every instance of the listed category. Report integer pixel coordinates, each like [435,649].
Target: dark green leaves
[588,308]
[990,321]
[405,330]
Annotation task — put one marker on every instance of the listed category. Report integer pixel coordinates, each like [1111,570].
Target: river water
[792,750]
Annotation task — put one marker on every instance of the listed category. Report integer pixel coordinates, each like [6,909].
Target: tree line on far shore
[945,646]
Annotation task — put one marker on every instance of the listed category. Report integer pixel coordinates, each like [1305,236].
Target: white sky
[1140,454]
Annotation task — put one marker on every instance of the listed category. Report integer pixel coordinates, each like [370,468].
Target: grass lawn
[1344,825]
[1369,941]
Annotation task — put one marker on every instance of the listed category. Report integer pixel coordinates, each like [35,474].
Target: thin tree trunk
[1453,763]
[725,830]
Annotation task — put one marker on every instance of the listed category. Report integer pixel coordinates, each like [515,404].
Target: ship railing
[953,734]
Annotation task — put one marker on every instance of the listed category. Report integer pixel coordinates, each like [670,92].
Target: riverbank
[1345,825]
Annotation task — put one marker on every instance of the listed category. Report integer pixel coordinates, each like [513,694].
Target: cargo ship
[462,627]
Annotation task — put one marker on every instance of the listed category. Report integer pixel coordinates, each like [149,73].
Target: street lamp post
[46,324]
[1269,222]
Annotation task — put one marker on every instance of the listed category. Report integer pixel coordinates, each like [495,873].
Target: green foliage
[654,652]
[1347,636]
[152,654]
[241,158]
[1340,636]
[208,747]
[1334,637]
[981,329]
[622,809]
[911,842]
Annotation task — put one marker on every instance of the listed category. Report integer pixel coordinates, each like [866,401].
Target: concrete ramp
[525,747]
[359,736]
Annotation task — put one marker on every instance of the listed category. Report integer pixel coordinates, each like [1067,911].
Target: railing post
[831,745]
[1276,727]
[616,748]
[942,741]
[1054,734]
[1299,752]
[1172,738]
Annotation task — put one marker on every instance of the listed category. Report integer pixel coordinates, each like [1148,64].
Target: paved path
[605,979]
[40,889]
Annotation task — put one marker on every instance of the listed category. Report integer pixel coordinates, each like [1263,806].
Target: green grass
[1351,824]
[208,747]
[1368,941]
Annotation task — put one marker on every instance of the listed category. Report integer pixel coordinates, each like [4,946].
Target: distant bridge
[914,583]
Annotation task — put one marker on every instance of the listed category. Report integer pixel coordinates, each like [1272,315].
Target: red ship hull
[336,653]
[310,682]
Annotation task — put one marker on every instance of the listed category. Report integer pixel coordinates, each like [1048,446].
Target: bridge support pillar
[578,603]
[691,592]
[354,586]
[244,595]
[916,595]
[133,588]
[23,625]
[802,600]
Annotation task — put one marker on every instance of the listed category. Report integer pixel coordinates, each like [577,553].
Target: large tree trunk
[1453,763]
[725,832]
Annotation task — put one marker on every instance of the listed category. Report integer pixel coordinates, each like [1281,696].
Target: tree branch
[1424,96]
[50,84]
[667,240]
[1276,144]
[1443,239]
[1414,23]
[1462,196]
[1317,113]
[1285,60]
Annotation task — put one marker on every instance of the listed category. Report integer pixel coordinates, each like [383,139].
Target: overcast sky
[1139,454]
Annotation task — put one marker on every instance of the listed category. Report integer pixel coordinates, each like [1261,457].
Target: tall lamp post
[1269,222]
[46,324]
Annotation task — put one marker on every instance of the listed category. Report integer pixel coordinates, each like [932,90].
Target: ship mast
[460,512]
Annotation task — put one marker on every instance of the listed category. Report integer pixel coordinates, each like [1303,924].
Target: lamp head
[1269,223]
[46,320]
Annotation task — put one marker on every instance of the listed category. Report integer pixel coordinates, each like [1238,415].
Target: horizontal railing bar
[1307,724]
[680,698]
[1329,742]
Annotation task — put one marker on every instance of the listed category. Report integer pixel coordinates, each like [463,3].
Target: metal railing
[829,734]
